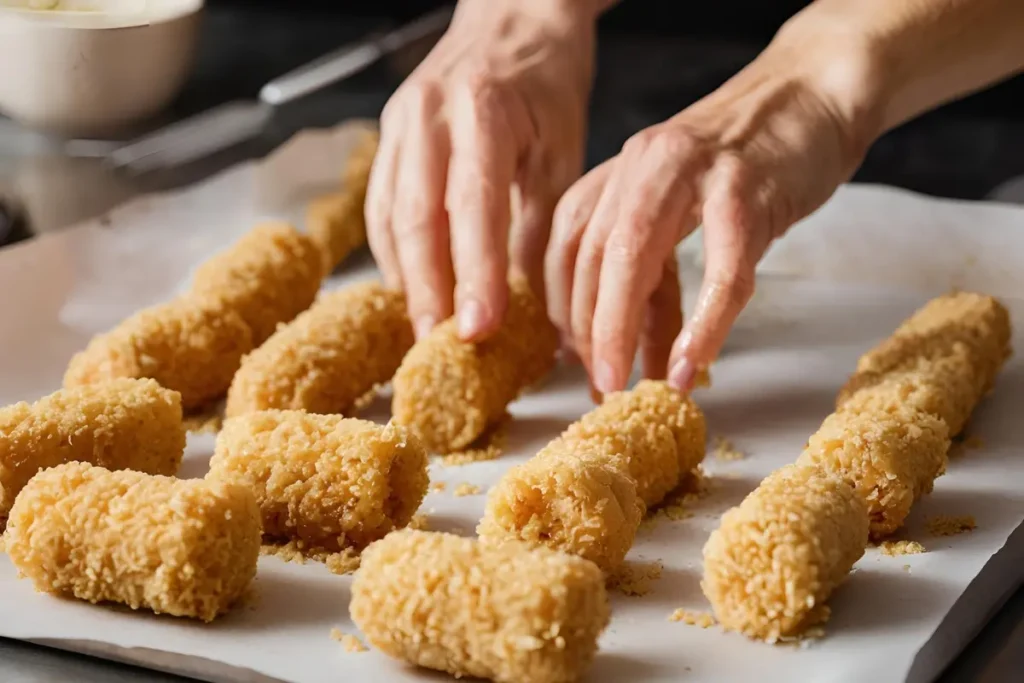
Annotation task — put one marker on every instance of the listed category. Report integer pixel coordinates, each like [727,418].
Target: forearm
[887,61]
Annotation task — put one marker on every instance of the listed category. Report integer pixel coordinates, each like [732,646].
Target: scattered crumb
[344,562]
[348,641]
[419,523]
[951,525]
[725,450]
[906,568]
[896,548]
[438,486]
[489,446]
[466,489]
[289,552]
[634,579]
[676,505]
[205,420]
[702,619]
[366,400]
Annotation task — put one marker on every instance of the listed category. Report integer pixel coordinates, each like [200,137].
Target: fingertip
[682,375]
[424,325]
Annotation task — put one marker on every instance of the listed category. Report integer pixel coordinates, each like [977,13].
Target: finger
[655,211]
[663,323]
[531,228]
[482,167]
[571,217]
[380,193]
[420,223]
[732,248]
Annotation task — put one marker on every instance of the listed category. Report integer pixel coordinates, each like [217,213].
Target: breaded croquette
[268,277]
[190,345]
[330,483]
[890,458]
[186,548]
[336,221]
[122,424]
[329,357]
[448,392]
[773,562]
[506,613]
[568,498]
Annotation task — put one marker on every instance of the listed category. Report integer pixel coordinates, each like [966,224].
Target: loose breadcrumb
[419,522]
[348,641]
[438,486]
[328,482]
[343,562]
[184,548]
[725,450]
[122,424]
[193,345]
[679,502]
[691,618]
[507,613]
[634,579]
[898,548]
[950,525]
[906,568]
[329,357]
[775,559]
[448,392]
[488,446]
[466,489]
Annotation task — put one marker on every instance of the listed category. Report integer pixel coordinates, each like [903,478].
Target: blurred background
[655,57]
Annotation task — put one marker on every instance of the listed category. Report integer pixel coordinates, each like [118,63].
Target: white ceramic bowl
[94,71]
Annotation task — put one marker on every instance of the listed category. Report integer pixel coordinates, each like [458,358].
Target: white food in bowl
[91,67]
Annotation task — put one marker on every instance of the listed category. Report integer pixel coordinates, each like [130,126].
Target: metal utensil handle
[350,60]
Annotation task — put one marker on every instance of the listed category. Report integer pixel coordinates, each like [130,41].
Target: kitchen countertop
[962,151]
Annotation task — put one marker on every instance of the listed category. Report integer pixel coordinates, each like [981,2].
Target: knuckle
[736,286]
[627,247]
[423,95]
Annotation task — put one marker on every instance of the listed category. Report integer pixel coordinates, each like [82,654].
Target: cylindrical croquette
[506,613]
[187,548]
[890,458]
[329,357]
[774,560]
[121,424]
[568,498]
[660,432]
[192,345]
[327,482]
[268,277]
[448,392]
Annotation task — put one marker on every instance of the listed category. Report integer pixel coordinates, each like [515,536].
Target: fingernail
[471,318]
[424,325]
[604,377]
[680,377]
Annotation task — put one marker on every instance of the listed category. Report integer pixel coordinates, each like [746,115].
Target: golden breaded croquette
[268,277]
[775,559]
[327,482]
[187,548]
[890,458]
[567,498]
[190,345]
[122,424]
[656,410]
[506,613]
[447,392]
[329,357]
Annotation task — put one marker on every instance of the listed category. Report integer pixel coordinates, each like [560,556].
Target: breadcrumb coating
[326,482]
[448,392]
[184,548]
[776,558]
[506,613]
[329,357]
[192,345]
[268,277]
[568,498]
[890,458]
[123,424]
[336,221]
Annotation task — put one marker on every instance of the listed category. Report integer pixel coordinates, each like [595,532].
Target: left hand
[748,161]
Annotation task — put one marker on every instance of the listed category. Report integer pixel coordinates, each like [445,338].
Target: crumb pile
[586,491]
[329,357]
[327,483]
[900,548]
[691,618]
[634,579]
[950,525]
[508,613]
[348,641]
[184,548]
[726,451]
[448,392]
[123,424]
[466,489]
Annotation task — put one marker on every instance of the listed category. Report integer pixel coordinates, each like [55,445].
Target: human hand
[748,161]
[498,108]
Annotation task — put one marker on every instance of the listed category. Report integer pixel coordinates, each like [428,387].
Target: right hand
[495,113]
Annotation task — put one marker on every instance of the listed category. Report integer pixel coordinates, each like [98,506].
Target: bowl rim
[155,12]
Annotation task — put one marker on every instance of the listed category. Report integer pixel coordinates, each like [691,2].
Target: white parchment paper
[822,300]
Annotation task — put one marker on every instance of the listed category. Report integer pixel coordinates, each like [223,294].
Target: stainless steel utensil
[234,122]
